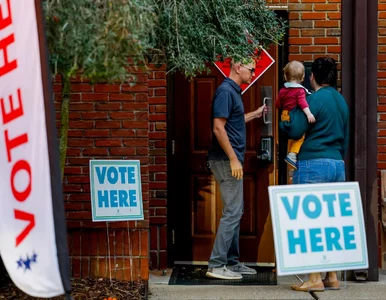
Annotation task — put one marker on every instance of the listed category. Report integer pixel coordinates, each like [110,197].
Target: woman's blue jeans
[319,171]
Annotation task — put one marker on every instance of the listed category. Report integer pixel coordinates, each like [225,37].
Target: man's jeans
[226,246]
[319,171]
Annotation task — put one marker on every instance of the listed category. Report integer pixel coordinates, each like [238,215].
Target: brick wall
[107,121]
[314,30]
[157,167]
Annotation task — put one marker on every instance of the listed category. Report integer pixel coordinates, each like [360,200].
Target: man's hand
[237,169]
[261,110]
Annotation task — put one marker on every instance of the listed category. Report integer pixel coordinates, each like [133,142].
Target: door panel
[197,206]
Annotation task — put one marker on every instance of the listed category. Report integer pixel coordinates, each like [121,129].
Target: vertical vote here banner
[318,228]
[33,238]
[116,193]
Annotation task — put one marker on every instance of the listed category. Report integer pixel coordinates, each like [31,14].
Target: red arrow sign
[263,62]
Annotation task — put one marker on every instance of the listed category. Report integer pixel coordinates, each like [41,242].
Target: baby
[293,94]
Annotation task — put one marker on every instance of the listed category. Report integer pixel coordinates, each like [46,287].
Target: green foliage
[192,33]
[96,37]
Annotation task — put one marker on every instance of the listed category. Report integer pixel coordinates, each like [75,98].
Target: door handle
[268,107]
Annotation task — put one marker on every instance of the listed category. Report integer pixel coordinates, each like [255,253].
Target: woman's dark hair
[324,70]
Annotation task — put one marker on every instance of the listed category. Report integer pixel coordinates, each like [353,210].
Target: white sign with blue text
[318,227]
[116,193]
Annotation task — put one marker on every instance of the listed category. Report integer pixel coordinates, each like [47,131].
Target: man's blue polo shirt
[227,103]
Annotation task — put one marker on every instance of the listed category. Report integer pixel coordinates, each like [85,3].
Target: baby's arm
[302,102]
[310,116]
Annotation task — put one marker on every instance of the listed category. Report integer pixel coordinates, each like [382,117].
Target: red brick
[72,170]
[142,133]
[80,143]
[94,115]
[136,88]
[326,23]
[157,100]
[144,243]
[301,57]
[163,237]
[326,41]
[160,92]
[81,124]
[313,32]
[95,151]
[97,133]
[122,115]
[160,177]
[79,215]
[68,188]
[94,97]
[293,32]
[76,267]
[134,124]
[299,7]
[135,142]
[293,15]
[141,97]
[122,151]
[157,135]
[121,97]
[78,179]
[122,133]
[108,143]
[157,83]
[107,88]
[81,87]
[334,16]
[301,24]
[313,49]
[81,106]
[334,49]
[300,41]
[107,106]
[108,124]
[325,7]
[153,238]
[313,16]
[144,268]
[135,106]
[141,116]
[160,75]
[157,117]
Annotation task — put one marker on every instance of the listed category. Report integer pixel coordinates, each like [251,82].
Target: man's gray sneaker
[242,269]
[222,273]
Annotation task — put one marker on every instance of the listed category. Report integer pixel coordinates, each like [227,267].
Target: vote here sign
[318,227]
[116,193]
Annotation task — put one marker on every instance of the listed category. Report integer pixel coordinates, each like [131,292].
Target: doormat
[195,275]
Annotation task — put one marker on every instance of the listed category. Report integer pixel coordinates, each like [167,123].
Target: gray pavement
[159,289]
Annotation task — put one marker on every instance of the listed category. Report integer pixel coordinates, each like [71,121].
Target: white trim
[278,7]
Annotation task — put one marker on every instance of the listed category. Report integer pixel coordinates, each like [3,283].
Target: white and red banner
[33,242]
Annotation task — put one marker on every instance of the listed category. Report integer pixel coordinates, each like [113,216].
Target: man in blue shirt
[226,158]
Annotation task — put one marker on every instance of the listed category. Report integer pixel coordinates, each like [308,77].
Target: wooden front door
[195,205]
